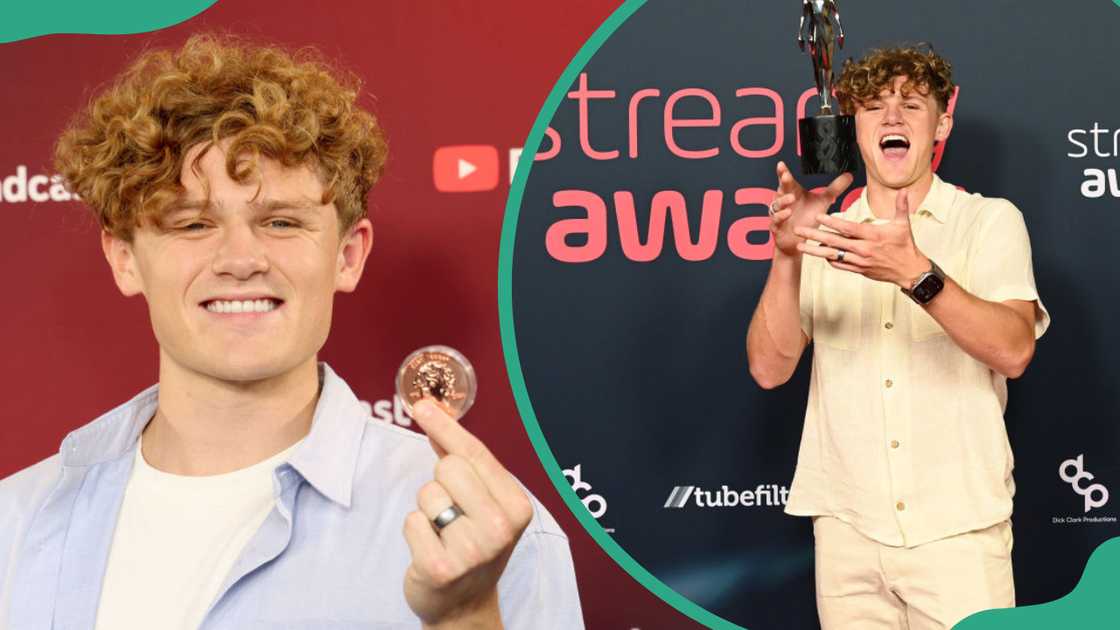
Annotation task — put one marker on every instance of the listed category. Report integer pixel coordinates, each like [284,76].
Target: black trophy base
[828,145]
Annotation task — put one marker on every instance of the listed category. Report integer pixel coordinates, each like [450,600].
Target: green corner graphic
[121,17]
[1092,601]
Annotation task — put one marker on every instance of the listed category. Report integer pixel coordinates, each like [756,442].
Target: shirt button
[894,443]
[888,325]
[889,382]
[900,506]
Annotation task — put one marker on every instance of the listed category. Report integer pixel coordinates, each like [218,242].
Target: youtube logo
[465,168]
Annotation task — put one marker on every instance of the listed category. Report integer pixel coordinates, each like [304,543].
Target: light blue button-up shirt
[330,555]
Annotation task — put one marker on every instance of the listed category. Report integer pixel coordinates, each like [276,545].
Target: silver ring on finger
[773,210]
[840,255]
[445,518]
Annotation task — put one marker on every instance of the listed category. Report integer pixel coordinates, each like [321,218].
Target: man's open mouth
[894,146]
[258,305]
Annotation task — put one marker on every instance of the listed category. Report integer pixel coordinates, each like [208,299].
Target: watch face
[927,288]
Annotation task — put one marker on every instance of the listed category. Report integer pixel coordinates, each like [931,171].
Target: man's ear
[122,260]
[352,254]
[944,126]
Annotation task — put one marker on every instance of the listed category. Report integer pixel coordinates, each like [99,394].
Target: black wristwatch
[928,285]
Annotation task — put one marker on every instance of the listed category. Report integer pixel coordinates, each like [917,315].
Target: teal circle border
[509,337]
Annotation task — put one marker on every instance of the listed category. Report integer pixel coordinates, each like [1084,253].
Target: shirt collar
[327,457]
[936,204]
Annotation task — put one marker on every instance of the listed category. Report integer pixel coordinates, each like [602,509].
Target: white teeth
[893,137]
[241,306]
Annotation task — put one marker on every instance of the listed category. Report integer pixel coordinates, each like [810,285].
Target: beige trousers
[866,585]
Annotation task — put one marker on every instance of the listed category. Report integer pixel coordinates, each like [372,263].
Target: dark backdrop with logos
[440,75]
[635,361]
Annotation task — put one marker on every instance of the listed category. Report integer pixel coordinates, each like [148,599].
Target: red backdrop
[440,73]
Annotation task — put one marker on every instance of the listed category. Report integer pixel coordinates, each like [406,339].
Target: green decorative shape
[1092,601]
[24,20]
[1087,602]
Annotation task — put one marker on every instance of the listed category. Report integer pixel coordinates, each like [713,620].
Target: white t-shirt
[176,539]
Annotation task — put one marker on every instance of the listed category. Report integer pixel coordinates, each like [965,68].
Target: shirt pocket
[922,325]
[838,309]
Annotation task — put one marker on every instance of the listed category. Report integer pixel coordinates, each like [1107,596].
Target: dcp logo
[595,503]
[1089,492]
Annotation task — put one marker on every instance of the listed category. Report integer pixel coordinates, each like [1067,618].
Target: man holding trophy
[921,302]
[250,488]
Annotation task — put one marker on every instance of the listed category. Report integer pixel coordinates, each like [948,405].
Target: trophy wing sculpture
[828,141]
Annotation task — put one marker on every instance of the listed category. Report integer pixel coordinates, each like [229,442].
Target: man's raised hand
[452,581]
[885,252]
[793,207]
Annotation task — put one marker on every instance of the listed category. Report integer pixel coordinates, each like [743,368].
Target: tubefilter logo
[769,494]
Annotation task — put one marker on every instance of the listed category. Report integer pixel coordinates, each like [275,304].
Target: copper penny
[440,373]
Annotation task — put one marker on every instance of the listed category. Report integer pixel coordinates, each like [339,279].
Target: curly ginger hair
[863,80]
[123,154]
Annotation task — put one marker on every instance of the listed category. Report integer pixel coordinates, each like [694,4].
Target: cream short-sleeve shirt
[904,436]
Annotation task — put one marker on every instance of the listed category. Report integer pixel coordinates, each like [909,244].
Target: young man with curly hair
[249,488]
[926,306]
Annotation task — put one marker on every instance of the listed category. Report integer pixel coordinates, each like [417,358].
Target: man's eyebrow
[261,204]
[285,204]
[190,204]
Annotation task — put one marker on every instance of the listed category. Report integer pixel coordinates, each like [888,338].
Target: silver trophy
[828,141]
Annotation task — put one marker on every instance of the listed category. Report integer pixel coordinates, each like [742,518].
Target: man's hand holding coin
[469,519]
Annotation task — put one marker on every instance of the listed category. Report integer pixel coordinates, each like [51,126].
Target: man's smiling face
[897,132]
[240,284]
